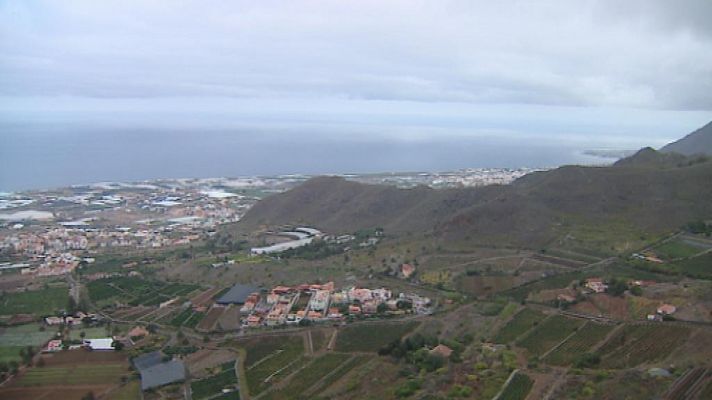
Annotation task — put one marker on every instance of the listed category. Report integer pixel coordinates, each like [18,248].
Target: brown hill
[527,212]
[697,142]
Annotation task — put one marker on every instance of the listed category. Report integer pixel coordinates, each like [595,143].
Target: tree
[617,287]
[636,291]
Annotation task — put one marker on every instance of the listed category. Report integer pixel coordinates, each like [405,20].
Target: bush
[408,388]
[587,360]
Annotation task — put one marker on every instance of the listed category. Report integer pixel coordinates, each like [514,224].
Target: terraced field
[637,344]
[267,356]
[369,337]
[520,323]
[584,339]
[76,375]
[308,376]
[135,291]
[209,387]
[549,333]
[518,388]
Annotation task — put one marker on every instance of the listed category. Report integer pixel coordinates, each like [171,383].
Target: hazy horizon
[102,90]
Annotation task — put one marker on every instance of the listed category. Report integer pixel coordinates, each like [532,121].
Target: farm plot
[13,339]
[308,376]
[135,291]
[211,318]
[187,318]
[697,267]
[520,323]
[549,333]
[209,387]
[77,375]
[581,342]
[267,357]
[338,373]
[371,338]
[637,344]
[678,249]
[38,302]
[518,387]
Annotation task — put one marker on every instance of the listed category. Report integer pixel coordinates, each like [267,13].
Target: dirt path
[241,376]
[553,384]
[332,341]
[309,345]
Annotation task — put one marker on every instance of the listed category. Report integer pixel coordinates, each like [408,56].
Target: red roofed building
[442,350]
[407,270]
[666,309]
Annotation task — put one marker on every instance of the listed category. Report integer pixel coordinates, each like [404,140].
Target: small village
[318,303]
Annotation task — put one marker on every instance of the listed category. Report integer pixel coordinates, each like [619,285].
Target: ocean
[48,158]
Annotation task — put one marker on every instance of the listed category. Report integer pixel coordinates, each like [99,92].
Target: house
[565,298]
[99,344]
[441,350]
[596,285]
[138,331]
[281,289]
[334,313]
[54,321]
[407,270]
[53,346]
[667,309]
[254,320]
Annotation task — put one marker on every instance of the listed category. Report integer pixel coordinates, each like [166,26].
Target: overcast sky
[605,72]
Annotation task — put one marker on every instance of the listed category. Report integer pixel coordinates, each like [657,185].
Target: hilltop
[697,142]
[649,192]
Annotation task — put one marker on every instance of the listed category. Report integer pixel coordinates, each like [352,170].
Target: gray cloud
[646,54]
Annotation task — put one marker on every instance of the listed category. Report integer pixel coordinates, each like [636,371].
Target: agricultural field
[89,333]
[629,384]
[343,369]
[520,323]
[188,318]
[211,318]
[38,302]
[129,391]
[135,291]
[637,344]
[308,376]
[13,339]
[584,339]
[369,337]
[268,356]
[548,334]
[72,375]
[677,249]
[518,387]
[209,387]
[697,267]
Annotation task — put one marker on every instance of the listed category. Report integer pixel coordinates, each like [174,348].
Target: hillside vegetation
[612,204]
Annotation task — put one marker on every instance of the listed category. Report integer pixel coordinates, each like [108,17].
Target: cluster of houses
[71,320]
[286,305]
[598,285]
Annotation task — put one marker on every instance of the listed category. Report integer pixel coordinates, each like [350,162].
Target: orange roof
[442,350]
